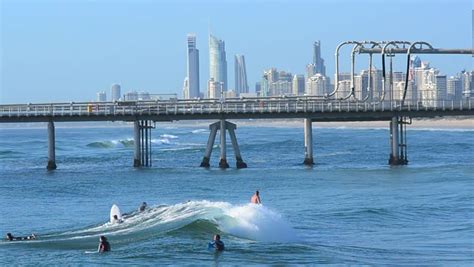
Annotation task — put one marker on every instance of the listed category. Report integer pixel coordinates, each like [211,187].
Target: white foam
[169,136]
[199,131]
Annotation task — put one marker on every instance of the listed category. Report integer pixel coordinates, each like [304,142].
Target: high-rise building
[298,85]
[276,82]
[310,70]
[217,62]
[318,62]
[115,92]
[215,89]
[101,96]
[316,85]
[241,85]
[186,88]
[258,87]
[454,88]
[467,81]
[264,90]
[192,71]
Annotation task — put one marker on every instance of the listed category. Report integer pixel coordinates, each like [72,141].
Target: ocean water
[350,208]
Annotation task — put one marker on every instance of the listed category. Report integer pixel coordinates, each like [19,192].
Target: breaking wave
[249,221]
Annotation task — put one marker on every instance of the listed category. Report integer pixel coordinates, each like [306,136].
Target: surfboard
[115,211]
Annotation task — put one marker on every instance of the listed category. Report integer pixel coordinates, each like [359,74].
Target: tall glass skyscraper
[318,62]
[217,61]
[241,85]
[192,88]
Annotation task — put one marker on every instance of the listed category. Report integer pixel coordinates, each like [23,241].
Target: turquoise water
[350,208]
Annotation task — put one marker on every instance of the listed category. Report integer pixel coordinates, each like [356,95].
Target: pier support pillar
[210,144]
[136,145]
[223,126]
[397,142]
[240,164]
[51,147]
[142,143]
[223,157]
[308,142]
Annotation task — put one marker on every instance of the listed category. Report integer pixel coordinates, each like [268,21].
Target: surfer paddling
[217,244]
[256,198]
[104,245]
[10,237]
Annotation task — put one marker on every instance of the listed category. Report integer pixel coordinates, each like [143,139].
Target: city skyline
[115,51]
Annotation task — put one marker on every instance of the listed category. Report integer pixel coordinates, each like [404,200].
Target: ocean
[351,207]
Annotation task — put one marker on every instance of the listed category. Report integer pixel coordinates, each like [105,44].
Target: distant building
[310,70]
[115,92]
[215,88]
[454,88]
[298,85]
[101,96]
[241,85]
[344,85]
[144,96]
[258,88]
[316,85]
[131,96]
[264,90]
[192,70]
[217,62]
[276,83]
[318,61]
[468,87]
[186,88]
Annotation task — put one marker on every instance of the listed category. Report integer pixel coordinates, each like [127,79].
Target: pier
[398,113]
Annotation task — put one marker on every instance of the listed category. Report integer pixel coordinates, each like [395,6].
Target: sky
[62,51]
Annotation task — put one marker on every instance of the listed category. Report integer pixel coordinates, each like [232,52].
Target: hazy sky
[69,50]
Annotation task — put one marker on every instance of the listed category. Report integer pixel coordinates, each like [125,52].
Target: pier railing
[181,107]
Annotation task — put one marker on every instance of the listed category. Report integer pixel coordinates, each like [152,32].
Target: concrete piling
[223,126]
[136,144]
[51,147]
[223,157]
[308,142]
[210,144]
[397,131]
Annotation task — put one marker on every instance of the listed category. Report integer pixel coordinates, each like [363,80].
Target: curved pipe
[356,47]
[336,81]
[369,78]
[421,43]
[391,43]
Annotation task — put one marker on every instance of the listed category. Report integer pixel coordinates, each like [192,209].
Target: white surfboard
[115,211]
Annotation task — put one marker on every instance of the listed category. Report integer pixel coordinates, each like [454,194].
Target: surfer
[104,245]
[10,237]
[142,207]
[117,220]
[217,244]
[256,198]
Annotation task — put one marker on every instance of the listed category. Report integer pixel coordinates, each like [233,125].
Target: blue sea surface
[349,208]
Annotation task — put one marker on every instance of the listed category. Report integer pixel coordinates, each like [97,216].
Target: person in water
[217,244]
[10,237]
[142,207]
[104,245]
[256,198]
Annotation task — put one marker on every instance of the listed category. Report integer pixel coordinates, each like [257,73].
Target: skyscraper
[241,85]
[115,92]
[298,84]
[217,61]
[318,62]
[192,88]
[101,96]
